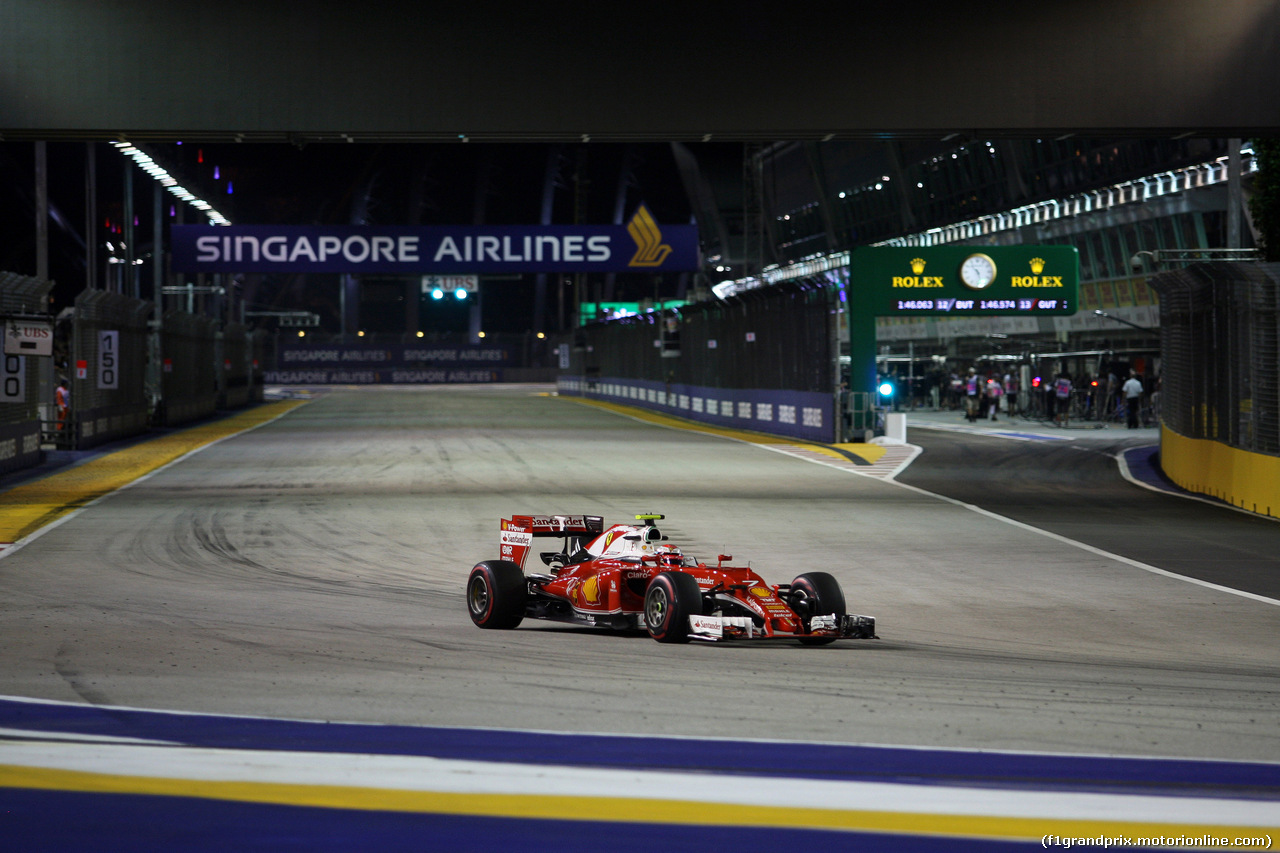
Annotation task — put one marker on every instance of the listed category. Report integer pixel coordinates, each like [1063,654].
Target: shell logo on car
[591,590]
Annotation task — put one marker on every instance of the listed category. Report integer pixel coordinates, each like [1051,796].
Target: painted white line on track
[425,774]
[1123,465]
[1075,543]
[35,734]
[77,737]
[992,432]
[1084,546]
[898,456]
[895,460]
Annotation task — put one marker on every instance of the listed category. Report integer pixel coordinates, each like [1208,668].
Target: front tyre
[817,594]
[496,594]
[669,601]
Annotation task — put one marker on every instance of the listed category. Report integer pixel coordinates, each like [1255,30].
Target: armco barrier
[796,414]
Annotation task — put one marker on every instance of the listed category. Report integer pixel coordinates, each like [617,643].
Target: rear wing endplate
[518,531]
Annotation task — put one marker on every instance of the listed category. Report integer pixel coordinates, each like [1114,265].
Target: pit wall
[19,446]
[1244,479]
[794,414]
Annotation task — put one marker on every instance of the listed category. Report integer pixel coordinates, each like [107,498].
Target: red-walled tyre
[496,594]
[669,601]
[817,594]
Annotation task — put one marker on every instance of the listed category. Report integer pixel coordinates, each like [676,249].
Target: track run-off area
[257,639]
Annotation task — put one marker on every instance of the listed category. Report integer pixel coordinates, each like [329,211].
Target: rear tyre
[496,594]
[669,601]
[817,594]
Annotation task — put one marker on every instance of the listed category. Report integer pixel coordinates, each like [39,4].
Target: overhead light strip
[152,168]
[1140,190]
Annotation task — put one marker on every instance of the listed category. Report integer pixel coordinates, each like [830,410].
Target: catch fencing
[764,360]
[109,397]
[1220,394]
[21,379]
[124,375]
[189,381]
[240,381]
[1221,363]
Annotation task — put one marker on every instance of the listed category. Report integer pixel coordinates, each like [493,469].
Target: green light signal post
[949,281]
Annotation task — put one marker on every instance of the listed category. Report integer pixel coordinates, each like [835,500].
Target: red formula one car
[627,577]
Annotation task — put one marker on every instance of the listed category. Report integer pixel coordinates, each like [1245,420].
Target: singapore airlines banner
[639,246]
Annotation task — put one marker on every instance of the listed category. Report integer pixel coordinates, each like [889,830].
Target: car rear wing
[518,531]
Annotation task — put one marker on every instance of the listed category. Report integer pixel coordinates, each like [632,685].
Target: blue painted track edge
[763,758]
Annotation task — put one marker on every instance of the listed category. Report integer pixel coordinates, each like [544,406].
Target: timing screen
[979,306]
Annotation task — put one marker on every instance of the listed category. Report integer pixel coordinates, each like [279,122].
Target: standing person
[994,392]
[1132,390]
[1062,397]
[1011,393]
[972,392]
[62,400]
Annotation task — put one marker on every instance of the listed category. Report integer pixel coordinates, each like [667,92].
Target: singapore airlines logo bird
[650,250]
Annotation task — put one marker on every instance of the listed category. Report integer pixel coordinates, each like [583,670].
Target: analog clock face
[977,271]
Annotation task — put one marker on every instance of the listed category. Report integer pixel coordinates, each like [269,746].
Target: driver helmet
[669,555]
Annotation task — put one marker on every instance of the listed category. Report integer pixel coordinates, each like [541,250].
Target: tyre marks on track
[30,509]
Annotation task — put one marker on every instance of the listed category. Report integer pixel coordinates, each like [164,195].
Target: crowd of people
[989,393]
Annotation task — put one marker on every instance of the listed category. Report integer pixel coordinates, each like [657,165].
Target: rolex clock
[977,271]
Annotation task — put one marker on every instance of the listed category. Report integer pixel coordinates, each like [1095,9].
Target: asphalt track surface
[1073,487]
[312,569]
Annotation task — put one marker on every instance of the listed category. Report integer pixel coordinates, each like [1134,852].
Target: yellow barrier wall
[1248,480]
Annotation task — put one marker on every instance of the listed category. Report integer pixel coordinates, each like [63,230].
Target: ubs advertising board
[400,364]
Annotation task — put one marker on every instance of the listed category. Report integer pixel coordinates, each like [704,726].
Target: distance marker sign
[966,281]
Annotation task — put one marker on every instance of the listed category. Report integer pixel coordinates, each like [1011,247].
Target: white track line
[831,463]
[484,778]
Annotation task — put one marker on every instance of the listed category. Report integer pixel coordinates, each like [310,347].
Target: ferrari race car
[628,577]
